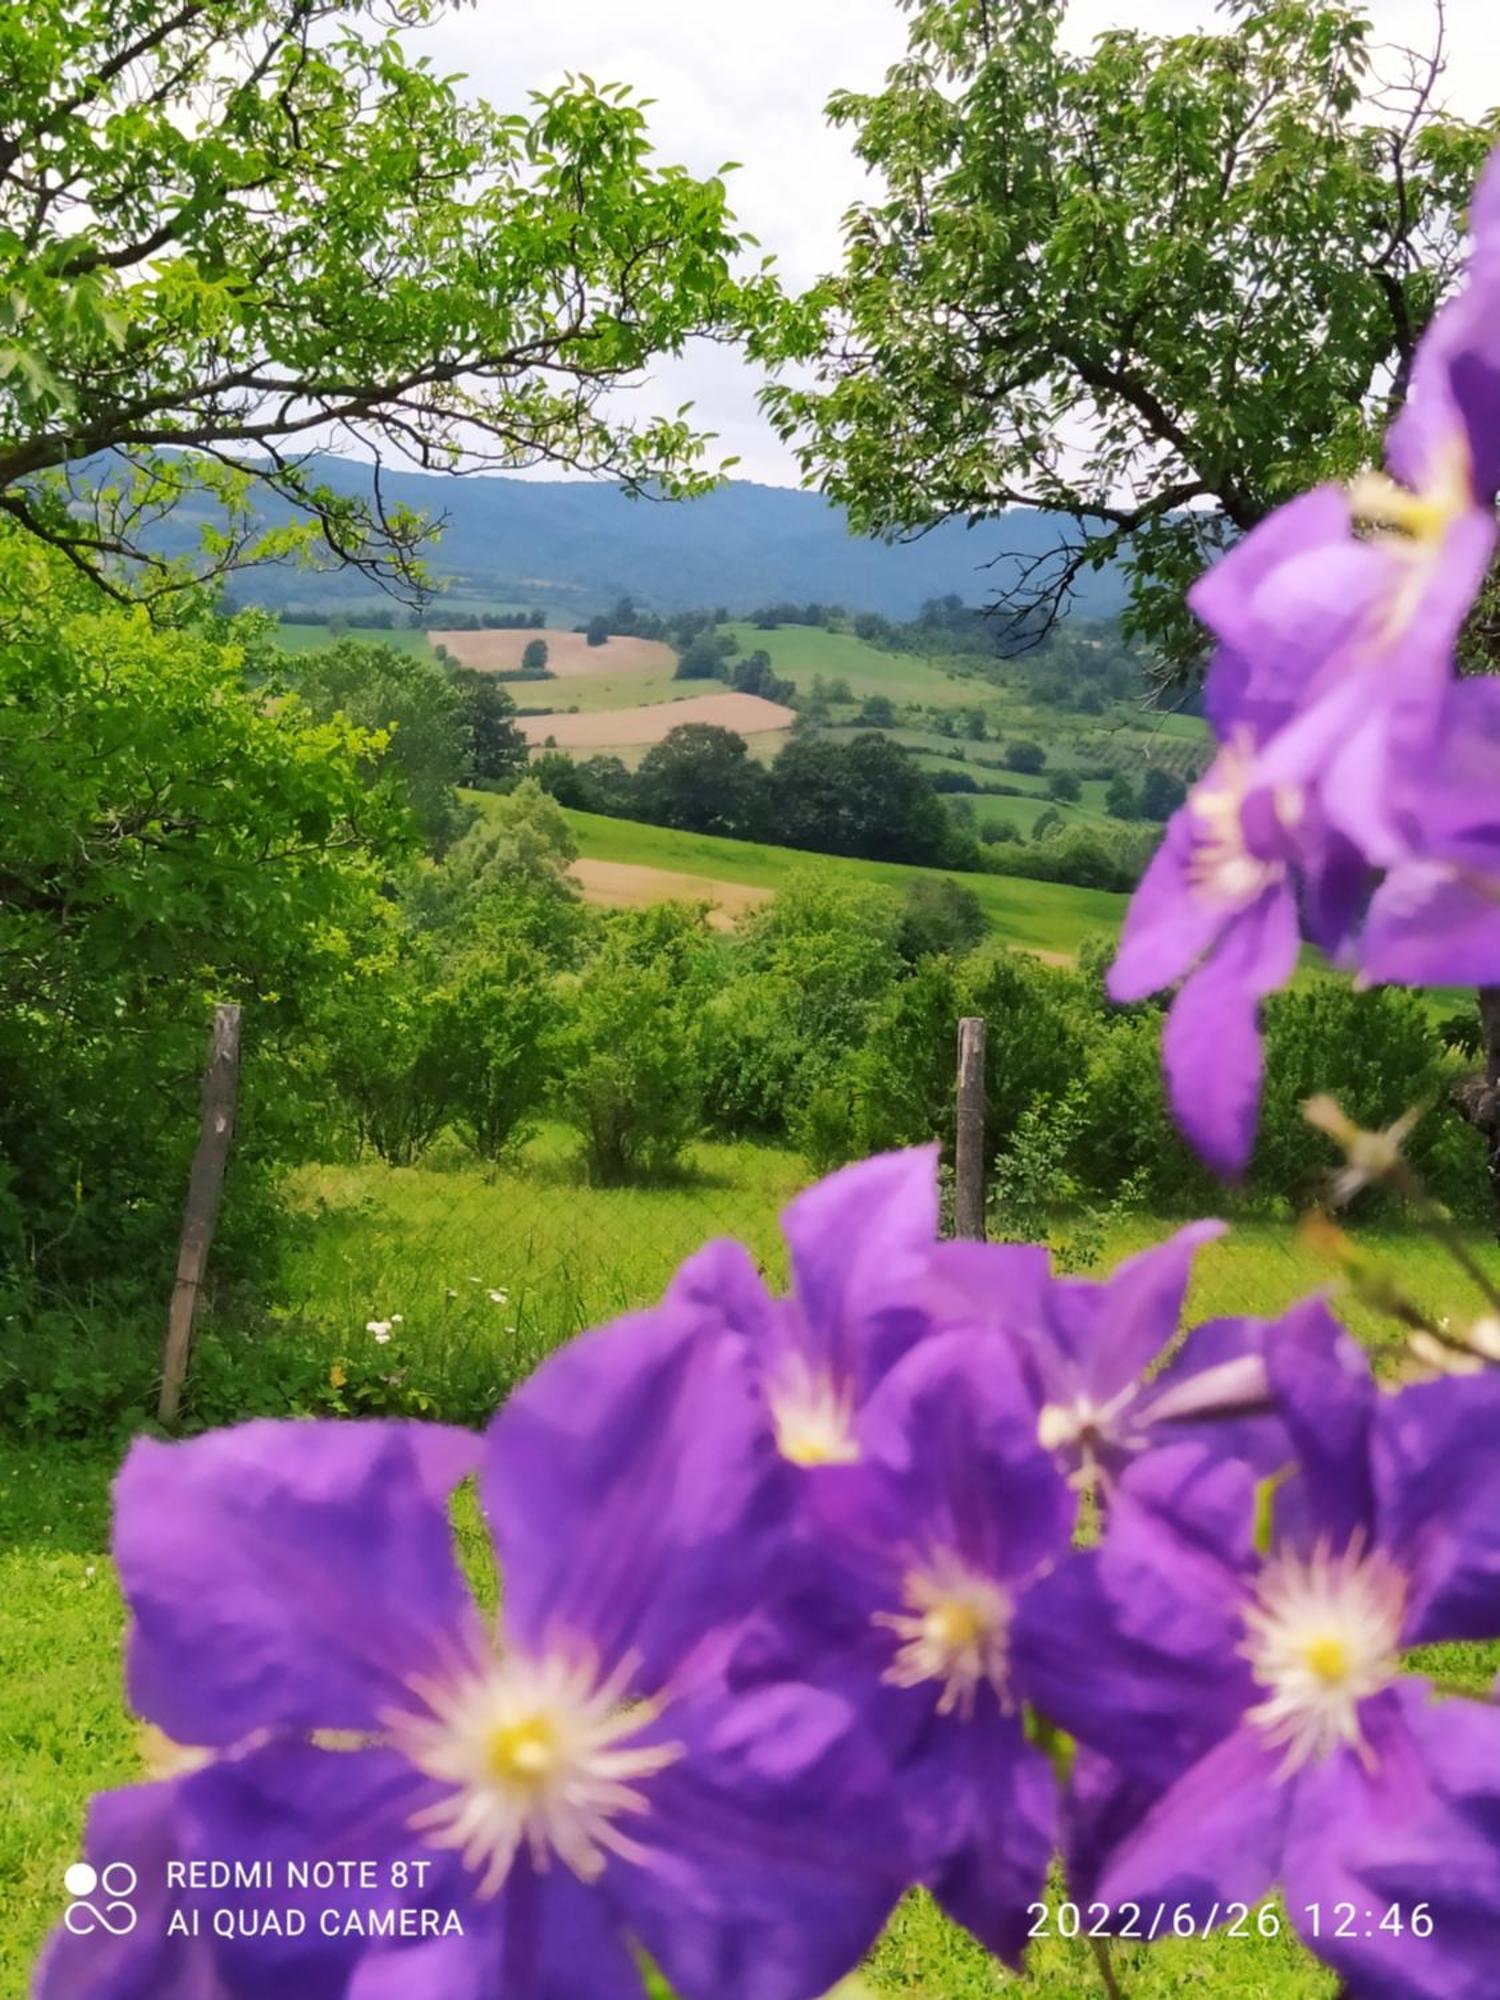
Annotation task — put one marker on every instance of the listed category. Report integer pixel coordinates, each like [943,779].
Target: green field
[312,638]
[590,693]
[387,1240]
[799,652]
[1036,916]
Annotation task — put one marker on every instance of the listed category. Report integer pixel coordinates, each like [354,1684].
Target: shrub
[630,1078]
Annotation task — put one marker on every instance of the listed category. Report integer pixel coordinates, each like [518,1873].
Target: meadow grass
[800,652]
[593,693]
[432,1243]
[1050,917]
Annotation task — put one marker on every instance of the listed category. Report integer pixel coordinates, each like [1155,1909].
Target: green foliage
[1122,801]
[939,915]
[418,720]
[534,658]
[494,750]
[170,837]
[201,260]
[597,632]
[1378,1053]
[1074,238]
[1161,793]
[1064,785]
[1025,756]
[498,1021]
[805,973]
[629,1076]
[700,777]
[863,797]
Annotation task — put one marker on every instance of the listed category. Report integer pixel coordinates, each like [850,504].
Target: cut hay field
[569,655]
[1050,918]
[747,714]
[619,885]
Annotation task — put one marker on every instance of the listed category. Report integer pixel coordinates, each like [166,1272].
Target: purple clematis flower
[1245,1716]
[1435,919]
[576,1783]
[1084,1348]
[1220,904]
[1336,618]
[861,1244]
[900,1598]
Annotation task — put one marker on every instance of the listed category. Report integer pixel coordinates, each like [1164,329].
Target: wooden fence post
[968,1152]
[205,1186]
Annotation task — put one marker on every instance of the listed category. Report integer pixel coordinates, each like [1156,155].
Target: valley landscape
[748,1178]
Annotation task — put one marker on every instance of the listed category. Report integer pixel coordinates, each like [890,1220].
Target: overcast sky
[748,82]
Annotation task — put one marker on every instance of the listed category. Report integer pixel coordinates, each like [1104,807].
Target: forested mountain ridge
[577,545]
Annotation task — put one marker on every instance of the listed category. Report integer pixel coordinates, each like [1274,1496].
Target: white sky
[748,82]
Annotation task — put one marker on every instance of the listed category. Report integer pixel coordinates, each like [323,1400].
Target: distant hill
[573,547]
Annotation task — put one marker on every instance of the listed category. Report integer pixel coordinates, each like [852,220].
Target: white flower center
[1221,868]
[813,1418]
[1323,1636]
[538,1752]
[954,1631]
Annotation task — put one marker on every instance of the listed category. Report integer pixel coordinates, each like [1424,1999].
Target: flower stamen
[535,1753]
[955,1632]
[1322,1637]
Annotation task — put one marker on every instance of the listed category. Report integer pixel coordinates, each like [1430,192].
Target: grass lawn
[1035,916]
[382,1239]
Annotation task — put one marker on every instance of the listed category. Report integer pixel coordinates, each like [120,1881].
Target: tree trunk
[205,1185]
[968,1164]
[1478,1097]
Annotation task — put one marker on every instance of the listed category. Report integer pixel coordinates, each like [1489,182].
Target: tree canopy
[1157,287]
[232,230]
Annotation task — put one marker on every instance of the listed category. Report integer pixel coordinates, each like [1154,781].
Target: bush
[1378,1053]
[1064,785]
[1025,756]
[171,834]
[630,1078]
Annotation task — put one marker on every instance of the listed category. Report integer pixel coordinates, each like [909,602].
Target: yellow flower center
[1322,1636]
[1328,1658]
[813,1418]
[524,1752]
[953,1632]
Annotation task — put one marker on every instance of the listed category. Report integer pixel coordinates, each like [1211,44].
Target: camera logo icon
[115,1885]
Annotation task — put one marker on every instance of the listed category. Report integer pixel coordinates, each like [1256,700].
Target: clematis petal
[1001,1835]
[1116,1329]
[860,1242]
[1168,927]
[771,1858]
[288,1575]
[1433,923]
[1437,1480]
[953,1433]
[290,1803]
[1412,1826]
[1213,1838]
[547,1937]
[1281,602]
[1325,1395]
[1133,1647]
[635,1493]
[138,1829]
[1211,1045]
